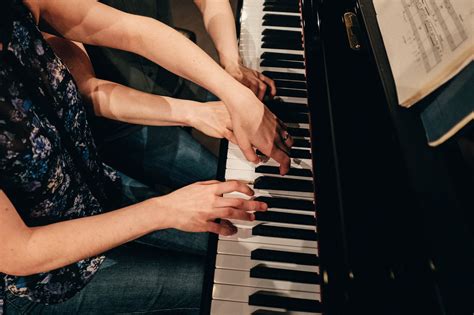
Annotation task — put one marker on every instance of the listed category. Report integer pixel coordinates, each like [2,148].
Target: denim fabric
[168,156]
[161,273]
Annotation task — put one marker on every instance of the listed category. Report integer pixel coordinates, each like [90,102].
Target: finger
[270,83]
[281,157]
[229,135]
[233,185]
[209,182]
[262,88]
[247,150]
[285,142]
[232,213]
[221,228]
[241,204]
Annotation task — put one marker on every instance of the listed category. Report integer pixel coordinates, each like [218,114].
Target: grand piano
[370,219]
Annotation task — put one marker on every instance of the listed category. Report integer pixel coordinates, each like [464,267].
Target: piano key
[236,161]
[282,63]
[294,276]
[249,176]
[287,203]
[284,232]
[281,20]
[266,169]
[285,75]
[277,225]
[263,254]
[274,216]
[291,92]
[301,143]
[241,294]
[278,105]
[281,45]
[298,132]
[245,235]
[290,84]
[247,249]
[219,307]
[277,56]
[293,304]
[296,153]
[282,33]
[280,8]
[245,263]
[239,277]
[288,184]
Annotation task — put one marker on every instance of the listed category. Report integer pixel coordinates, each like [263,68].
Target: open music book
[428,42]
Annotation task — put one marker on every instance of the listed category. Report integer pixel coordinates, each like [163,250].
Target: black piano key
[284,75]
[298,132]
[280,33]
[284,232]
[285,257]
[303,143]
[297,276]
[291,38]
[280,56]
[282,217]
[277,106]
[266,169]
[287,184]
[295,153]
[283,45]
[292,117]
[291,92]
[269,299]
[294,2]
[281,20]
[282,64]
[287,203]
[290,84]
[280,8]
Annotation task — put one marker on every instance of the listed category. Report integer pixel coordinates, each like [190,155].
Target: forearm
[118,102]
[57,245]
[220,24]
[97,24]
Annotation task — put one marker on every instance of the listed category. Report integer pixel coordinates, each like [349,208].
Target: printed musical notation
[435,27]
[427,42]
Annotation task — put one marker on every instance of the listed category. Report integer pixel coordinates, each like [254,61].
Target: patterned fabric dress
[49,166]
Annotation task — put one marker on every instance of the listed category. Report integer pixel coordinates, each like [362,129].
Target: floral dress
[49,165]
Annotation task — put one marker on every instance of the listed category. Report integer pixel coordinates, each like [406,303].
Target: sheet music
[427,42]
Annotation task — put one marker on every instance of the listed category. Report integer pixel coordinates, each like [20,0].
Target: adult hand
[252,79]
[255,126]
[194,208]
[213,119]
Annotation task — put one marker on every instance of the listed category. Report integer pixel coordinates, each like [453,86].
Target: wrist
[160,213]
[230,61]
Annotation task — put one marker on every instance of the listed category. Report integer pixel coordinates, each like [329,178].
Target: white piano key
[252,224]
[284,70]
[245,235]
[241,294]
[237,277]
[246,249]
[245,264]
[233,154]
[260,193]
[250,176]
[219,307]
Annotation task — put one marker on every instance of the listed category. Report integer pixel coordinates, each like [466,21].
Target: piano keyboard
[271,265]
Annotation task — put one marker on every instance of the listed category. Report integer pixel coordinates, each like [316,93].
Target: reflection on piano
[391,229]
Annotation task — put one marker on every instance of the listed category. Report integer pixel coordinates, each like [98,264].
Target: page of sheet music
[427,42]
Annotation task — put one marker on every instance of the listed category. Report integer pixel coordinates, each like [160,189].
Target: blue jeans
[160,273]
[167,156]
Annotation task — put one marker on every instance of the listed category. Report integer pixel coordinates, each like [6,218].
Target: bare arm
[25,250]
[118,102]
[97,24]
[220,24]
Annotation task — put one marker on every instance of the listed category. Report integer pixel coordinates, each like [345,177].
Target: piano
[370,219]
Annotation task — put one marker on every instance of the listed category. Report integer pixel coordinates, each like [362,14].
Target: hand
[255,126]
[252,79]
[213,119]
[194,208]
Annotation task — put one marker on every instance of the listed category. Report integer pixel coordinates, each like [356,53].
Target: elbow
[18,267]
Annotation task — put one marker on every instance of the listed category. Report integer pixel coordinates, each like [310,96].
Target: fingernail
[252,217]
